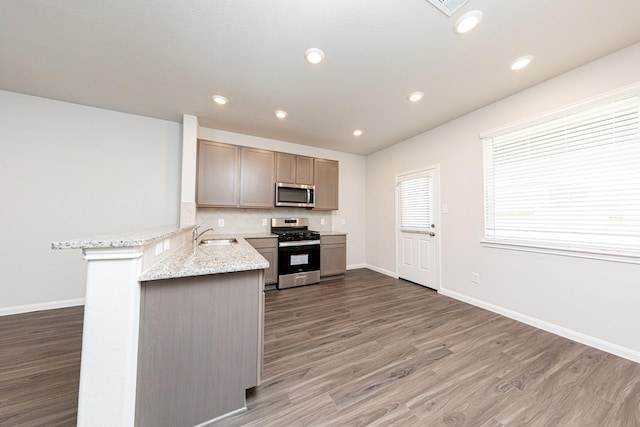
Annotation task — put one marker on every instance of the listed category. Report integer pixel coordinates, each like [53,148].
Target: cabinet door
[285,168]
[257,182]
[271,273]
[326,182]
[304,170]
[268,248]
[217,183]
[333,259]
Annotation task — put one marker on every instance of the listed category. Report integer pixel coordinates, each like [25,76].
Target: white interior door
[417,229]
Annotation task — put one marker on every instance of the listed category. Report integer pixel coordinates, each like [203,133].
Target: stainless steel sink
[217,242]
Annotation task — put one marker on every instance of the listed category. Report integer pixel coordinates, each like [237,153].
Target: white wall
[350,216]
[69,171]
[593,301]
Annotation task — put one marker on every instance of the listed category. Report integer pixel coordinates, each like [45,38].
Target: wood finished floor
[40,367]
[364,350]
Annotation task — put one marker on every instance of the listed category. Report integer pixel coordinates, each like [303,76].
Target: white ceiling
[166,58]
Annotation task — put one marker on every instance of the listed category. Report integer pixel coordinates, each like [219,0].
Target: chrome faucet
[197,235]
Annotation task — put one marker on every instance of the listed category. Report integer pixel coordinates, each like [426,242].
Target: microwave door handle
[308,195]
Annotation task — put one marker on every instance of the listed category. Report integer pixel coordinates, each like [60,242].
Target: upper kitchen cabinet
[294,169]
[326,182]
[218,166]
[257,178]
[234,176]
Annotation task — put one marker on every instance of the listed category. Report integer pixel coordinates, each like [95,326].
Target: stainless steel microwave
[296,195]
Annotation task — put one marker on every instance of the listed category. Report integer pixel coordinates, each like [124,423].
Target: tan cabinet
[333,255]
[268,248]
[294,169]
[200,347]
[229,175]
[217,183]
[326,182]
[234,176]
[256,178]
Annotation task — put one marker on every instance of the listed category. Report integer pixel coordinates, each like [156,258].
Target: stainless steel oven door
[298,263]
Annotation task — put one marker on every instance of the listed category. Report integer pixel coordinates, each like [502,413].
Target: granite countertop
[199,260]
[121,240]
[189,259]
[255,235]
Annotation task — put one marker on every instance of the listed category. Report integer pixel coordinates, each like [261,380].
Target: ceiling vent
[448,7]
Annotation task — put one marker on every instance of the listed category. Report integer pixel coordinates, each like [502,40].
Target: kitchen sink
[217,242]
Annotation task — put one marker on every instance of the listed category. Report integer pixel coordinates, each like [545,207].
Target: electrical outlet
[475,278]
[167,244]
[343,221]
[221,222]
[321,221]
[159,248]
[264,222]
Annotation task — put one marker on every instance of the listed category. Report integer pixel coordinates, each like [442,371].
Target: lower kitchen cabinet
[200,347]
[333,255]
[268,248]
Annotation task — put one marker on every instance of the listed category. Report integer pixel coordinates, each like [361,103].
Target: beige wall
[593,301]
[70,171]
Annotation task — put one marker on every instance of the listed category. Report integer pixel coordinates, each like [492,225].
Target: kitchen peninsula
[172,330]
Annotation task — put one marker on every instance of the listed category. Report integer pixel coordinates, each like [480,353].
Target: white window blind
[571,180]
[415,206]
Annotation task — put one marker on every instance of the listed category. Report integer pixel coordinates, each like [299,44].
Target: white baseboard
[356,266]
[6,311]
[603,345]
[382,271]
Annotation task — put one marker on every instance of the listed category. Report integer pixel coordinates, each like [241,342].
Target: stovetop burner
[294,235]
[293,229]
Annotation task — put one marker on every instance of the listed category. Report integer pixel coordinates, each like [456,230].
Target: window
[415,206]
[569,183]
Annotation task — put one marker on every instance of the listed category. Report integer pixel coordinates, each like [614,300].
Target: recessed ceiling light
[219,99]
[281,114]
[314,55]
[467,22]
[415,96]
[521,62]
[357,132]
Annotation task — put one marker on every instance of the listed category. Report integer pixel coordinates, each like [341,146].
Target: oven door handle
[299,243]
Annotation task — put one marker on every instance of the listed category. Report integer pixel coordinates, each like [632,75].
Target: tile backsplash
[250,220]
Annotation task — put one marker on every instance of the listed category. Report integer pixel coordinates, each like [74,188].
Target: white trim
[50,305]
[585,339]
[589,253]
[356,266]
[382,271]
[93,254]
[222,417]
[620,92]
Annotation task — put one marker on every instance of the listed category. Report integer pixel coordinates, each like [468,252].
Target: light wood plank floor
[364,350]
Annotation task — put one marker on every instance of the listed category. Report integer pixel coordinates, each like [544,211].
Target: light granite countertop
[200,260]
[121,240]
[189,259]
[186,260]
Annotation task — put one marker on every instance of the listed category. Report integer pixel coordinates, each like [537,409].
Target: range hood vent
[448,7]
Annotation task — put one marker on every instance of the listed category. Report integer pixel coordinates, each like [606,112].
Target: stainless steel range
[298,252]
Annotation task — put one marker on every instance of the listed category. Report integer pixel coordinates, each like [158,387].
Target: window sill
[602,254]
